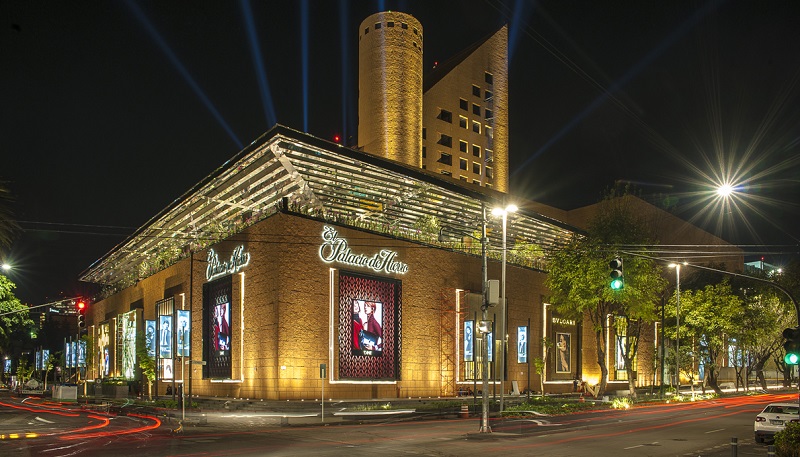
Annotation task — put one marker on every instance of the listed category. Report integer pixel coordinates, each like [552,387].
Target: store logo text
[239,259]
[335,249]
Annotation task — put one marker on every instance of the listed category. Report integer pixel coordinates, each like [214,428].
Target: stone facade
[469,104]
[390,87]
[283,326]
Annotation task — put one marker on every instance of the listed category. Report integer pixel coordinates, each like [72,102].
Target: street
[702,428]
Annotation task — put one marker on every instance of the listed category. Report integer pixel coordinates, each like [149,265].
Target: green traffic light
[792,358]
[616,284]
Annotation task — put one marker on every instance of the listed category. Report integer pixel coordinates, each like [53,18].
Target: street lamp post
[484,318]
[504,213]
[677,268]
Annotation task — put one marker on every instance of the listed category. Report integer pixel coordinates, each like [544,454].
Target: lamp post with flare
[503,212]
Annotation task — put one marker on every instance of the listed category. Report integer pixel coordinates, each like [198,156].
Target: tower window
[446,159]
[445,115]
[488,131]
[476,150]
[476,168]
[476,91]
[424,152]
[488,78]
[476,109]
[390,24]
[424,133]
[366,30]
[462,164]
[476,127]
[462,122]
[463,104]
[462,146]
[378,25]
[403,25]
[445,172]
[488,113]
[487,96]
[489,172]
[446,140]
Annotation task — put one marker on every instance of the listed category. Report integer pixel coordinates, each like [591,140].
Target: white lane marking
[43,420]
[634,447]
[715,431]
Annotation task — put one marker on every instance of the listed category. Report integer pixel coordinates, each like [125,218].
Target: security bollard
[734,446]
[771,450]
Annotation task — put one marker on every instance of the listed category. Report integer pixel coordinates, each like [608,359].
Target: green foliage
[24,372]
[18,320]
[621,403]
[549,406]
[787,441]
[427,225]
[707,316]
[579,275]
[147,363]
[8,226]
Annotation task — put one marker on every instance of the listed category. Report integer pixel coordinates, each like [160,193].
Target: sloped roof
[316,178]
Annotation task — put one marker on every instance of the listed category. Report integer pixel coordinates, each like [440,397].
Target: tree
[49,364]
[540,363]
[13,315]
[708,318]
[7,224]
[147,364]
[579,280]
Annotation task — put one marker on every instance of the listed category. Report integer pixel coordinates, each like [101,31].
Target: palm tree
[7,224]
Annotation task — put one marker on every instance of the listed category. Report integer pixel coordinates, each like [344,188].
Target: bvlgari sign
[216,268]
[335,249]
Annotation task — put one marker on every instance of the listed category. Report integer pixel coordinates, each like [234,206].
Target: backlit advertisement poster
[469,341]
[150,337]
[522,344]
[369,327]
[166,369]
[127,348]
[217,328]
[68,354]
[563,354]
[45,358]
[81,353]
[184,329]
[165,337]
[7,366]
[103,349]
[491,346]
[37,364]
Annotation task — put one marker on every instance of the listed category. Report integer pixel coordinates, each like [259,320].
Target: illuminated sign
[522,344]
[216,268]
[560,321]
[335,249]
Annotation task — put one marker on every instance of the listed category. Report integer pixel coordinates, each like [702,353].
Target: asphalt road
[702,428]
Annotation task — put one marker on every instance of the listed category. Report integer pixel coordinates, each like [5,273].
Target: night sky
[110,110]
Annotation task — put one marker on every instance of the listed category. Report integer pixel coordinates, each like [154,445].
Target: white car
[773,419]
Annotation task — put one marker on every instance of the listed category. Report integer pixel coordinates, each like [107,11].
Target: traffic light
[617,279]
[81,306]
[792,345]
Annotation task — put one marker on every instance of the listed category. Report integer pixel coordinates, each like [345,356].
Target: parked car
[774,418]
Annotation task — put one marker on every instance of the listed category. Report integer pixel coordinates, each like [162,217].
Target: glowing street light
[6,267]
[725,190]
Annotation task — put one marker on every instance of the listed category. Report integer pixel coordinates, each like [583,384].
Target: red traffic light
[81,305]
